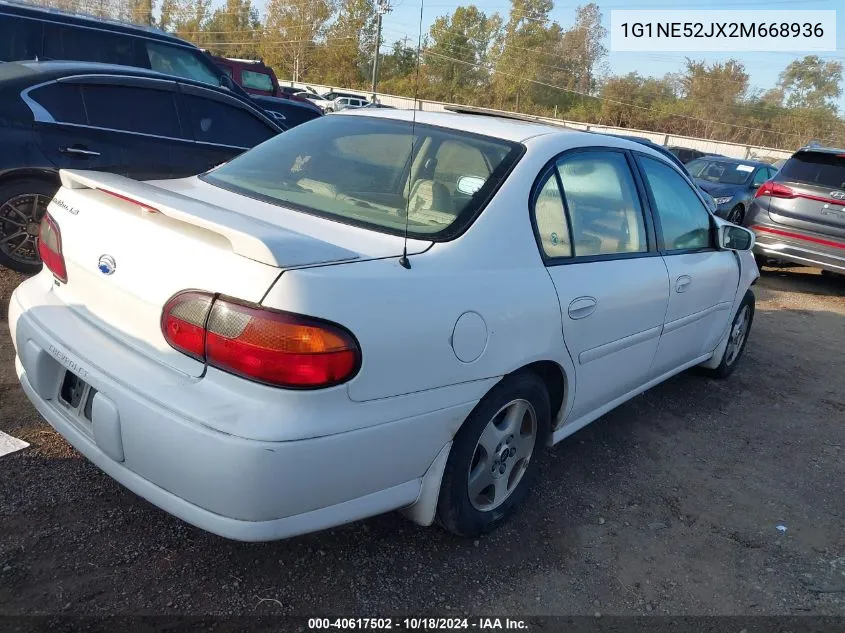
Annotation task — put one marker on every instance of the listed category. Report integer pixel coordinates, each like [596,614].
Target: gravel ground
[668,505]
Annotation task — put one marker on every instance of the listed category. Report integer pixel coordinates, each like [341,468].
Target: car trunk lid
[130,246]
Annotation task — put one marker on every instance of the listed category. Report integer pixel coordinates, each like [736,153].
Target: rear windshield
[815,168]
[722,172]
[256,81]
[362,170]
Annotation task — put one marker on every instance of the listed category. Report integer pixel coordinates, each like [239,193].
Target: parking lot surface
[699,497]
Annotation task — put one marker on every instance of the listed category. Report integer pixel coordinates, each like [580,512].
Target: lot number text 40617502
[419,624]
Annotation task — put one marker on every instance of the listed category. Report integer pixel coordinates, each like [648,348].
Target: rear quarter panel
[405,319]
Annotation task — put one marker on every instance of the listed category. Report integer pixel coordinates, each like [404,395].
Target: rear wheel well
[555,380]
[30,174]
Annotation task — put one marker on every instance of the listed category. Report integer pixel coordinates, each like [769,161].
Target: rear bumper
[798,247]
[239,488]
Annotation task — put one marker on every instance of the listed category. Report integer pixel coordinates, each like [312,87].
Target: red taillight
[50,247]
[775,190]
[183,322]
[268,346]
[119,196]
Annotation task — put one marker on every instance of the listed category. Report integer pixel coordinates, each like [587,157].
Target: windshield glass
[723,172]
[361,170]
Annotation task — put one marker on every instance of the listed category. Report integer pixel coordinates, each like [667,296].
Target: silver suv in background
[798,215]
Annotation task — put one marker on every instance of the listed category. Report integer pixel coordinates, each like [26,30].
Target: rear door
[141,115]
[611,282]
[63,132]
[220,126]
[817,180]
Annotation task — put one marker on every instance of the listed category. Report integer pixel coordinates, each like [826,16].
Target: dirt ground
[668,505]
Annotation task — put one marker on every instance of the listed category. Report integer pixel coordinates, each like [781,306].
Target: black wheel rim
[20,217]
[736,215]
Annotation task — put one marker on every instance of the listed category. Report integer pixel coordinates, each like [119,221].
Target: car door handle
[79,151]
[582,307]
[682,284]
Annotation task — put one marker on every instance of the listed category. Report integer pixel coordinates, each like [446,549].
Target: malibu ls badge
[107,265]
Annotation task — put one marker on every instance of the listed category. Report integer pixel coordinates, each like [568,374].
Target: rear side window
[550,217]
[221,124]
[684,220]
[63,102]
[88,45]
[256,81]
[20,39]
[132,109]
[182,62]
[604,208]
[815,168]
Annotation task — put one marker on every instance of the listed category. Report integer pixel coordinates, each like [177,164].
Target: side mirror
[735,238]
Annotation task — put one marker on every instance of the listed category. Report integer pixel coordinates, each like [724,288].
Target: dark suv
[29,33]
[799,215]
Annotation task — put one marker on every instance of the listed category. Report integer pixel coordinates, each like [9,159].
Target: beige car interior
[605,220]
[430,190]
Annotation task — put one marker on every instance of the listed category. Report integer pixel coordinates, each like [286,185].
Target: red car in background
[256,78]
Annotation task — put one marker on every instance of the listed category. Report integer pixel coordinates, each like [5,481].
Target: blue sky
[763,68]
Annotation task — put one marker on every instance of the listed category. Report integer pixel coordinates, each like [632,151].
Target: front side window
[604,208]
[256,81]
[362,170]
[182,62]
[213,121]
[760,177]
[684,220]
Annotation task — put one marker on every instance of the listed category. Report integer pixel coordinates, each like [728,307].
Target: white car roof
[498,127]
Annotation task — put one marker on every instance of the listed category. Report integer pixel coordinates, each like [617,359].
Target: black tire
[736,215]
[15,199]
[761,261]
[728,364]
[455,510]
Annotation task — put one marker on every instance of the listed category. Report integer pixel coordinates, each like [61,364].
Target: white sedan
[369,313]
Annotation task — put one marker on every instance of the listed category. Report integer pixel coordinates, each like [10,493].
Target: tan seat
[317,187]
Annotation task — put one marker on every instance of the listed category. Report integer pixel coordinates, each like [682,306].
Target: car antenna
[404,261]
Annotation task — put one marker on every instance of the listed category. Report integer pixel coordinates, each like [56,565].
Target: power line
[584,94]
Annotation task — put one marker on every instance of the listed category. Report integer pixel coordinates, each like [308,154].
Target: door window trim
[645,211]
[661,243]
[42,115]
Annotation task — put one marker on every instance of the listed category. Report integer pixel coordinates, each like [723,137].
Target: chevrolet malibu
[373,311]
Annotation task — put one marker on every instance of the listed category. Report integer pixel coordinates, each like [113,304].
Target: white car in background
[314,98]
[327,327]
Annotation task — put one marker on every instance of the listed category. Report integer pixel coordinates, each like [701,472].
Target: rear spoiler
[249,237]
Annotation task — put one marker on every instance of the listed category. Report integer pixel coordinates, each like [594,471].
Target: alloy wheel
[501,455]
[20,218]
[738,333]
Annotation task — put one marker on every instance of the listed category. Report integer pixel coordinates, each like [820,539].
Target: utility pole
[382,7]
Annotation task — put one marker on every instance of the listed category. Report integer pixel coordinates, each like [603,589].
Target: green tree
[458,52]
[346,57]
[519,57]
[233,30]
[290,34]
[583,48]
[812,82]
